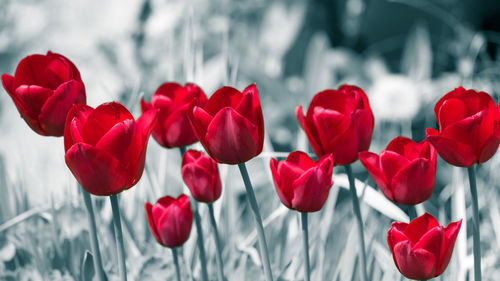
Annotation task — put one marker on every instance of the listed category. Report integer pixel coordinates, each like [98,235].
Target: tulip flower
[338,122]
[422,249]
[105,147]
[43,88]
[469,127]
[201,175]
[404,171]
[230,126]
[170,220]
[301,183]
[173,128]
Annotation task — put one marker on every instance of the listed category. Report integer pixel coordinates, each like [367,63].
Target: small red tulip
[230,126]
[170,220]
[105,147]
[173,128]
[404,171]
[301,183]
[201,175]
[338,122]
[43,89]
[469,129]
[423,248]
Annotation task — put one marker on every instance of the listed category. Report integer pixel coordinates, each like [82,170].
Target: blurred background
[405,54]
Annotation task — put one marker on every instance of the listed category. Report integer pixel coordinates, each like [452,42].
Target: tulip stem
[475,224]
[176,262]
[258,221]
[94,243]
[412,212]
[357,212]
[306,246]
[201,244]
[220,267]
[118,237]
[182,150]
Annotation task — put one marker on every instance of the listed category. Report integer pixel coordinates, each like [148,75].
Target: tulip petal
[151,221]
[409,148]
[414,183]
[451,111]
[419,226]
[450,235]
[432,242]
[223,97]
[391,163]
[53,113]
[315,143]
[414,264]
[8,84]
[174,226]
[31,71]
[102,119]
[76,118]
[177,129]
[452,151]
[201,183]
[117,140]
[200,120]
[231,138]
[311,190]
[364,122]
[284,191]
[301,160]
[371,161]
[97,171]
[396,234]
[32,99]
[145,106]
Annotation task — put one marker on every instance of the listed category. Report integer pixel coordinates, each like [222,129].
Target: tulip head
[201,175]
[301,183]
[173,128]
[405,171]
[105,147]
[230,126]
[43,88]
[422,249]
[339,122]
[469,129]
[170,220]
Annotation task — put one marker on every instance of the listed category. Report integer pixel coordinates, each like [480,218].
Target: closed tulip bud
[339,122]
[404,171]
[422,249]
[301,183]
[173,128]
[469,128]
[201,175]
[230,126]
[170,220]
[43,89]
[105,147]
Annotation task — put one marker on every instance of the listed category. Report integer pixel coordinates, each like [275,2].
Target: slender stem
[118,237]
[182,150]
[412,212]
[176,262]
[357,212]
[475,224]
[94,243]
[258,221]
[201,244]
[306,246]
[220,266]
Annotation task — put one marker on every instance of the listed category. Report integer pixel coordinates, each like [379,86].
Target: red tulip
[301,183]
[230,126]
[170,220]
[173,128]
[105,147]
[43,89]
[469,130]
[423,248]
[338,122]
[404,171]
[201,175]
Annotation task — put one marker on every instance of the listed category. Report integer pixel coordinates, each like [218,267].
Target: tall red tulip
[230,126]
[338,122]
[173,128]
[404,171]
[201,175]
[301,183]
[469,129]
[43,88]
[170,220]
[105,147]
[422,249]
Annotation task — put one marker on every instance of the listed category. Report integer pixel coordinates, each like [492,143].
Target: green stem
[176,262]
[94,243]
[183,150]
[220,266]
[359,219]
[258,222]
[201,244]
[118,237]
[412,212]
[476,238]
[306,246]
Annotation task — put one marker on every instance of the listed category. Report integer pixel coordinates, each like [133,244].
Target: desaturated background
[405,54]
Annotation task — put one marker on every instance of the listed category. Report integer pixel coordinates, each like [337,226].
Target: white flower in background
[394,97]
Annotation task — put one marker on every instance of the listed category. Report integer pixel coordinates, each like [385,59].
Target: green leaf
[87,270]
